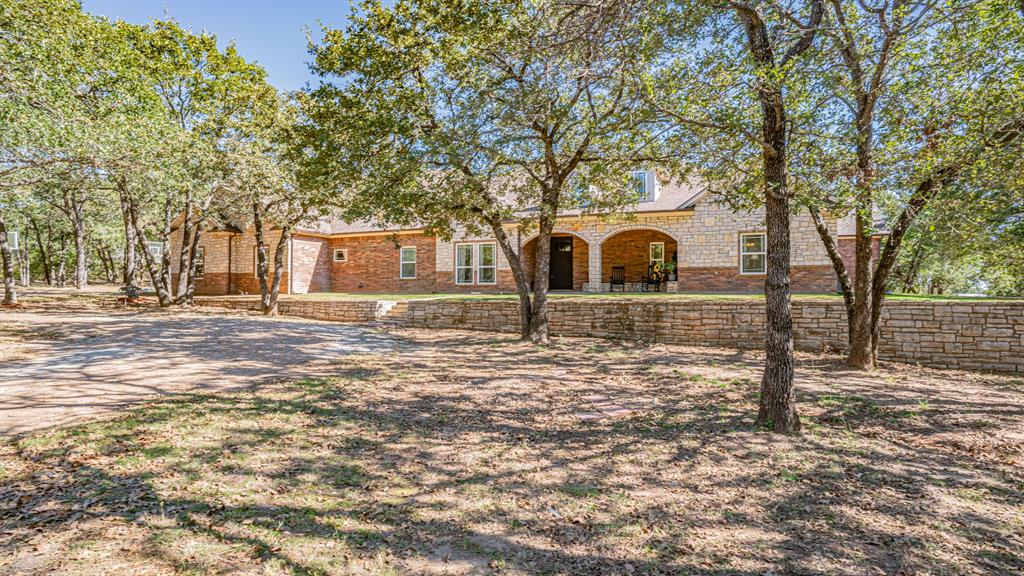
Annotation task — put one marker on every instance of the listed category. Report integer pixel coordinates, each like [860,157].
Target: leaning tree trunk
[515,262]
[279,259]
[10,290]
[158,274]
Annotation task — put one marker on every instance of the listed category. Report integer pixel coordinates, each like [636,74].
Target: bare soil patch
[459,453]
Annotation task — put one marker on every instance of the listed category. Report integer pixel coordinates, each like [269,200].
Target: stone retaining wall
[955,334]
[358,311]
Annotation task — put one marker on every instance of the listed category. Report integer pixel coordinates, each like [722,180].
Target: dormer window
[645,184]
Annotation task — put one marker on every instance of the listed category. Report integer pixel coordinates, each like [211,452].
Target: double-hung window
[639,185]
[487,265]
[408,263]
[476,263]
[657,253]
[753,253]
[464,260]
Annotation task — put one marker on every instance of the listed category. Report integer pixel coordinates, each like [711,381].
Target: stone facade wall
[982,335]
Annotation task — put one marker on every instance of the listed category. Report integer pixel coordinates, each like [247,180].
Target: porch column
[594,269]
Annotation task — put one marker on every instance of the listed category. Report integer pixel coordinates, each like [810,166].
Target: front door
[561,263]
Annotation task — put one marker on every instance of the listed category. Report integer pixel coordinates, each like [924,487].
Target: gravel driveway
[84,364]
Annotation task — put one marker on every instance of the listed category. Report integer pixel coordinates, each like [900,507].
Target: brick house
[716,250]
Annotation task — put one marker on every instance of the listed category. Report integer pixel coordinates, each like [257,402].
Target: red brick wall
[631,249]
[802,279]
[245,282]
[374,261]
[311,264]
[580,261]
[847,249]
[211,284]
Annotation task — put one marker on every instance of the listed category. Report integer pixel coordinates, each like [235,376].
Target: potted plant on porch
[670,271]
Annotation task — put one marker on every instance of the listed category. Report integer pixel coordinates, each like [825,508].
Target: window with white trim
[256,262]
[639,185]
[753,253]
[657,254]
[341,254]
[200,263]
[408,267]
[487,264]
[464,259]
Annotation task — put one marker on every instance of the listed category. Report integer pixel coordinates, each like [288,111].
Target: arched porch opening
[635,250]
[570,257]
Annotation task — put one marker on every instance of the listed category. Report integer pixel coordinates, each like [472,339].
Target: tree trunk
[24,268]
[541,277]
[62,276]
[184,251]
[861,334]
[74,205]
[128,266]
[777,409]
[279,260]
[159,276]
[44,253]
[10,290]
[837,264]
[515,262]
[261,261]
[190,290]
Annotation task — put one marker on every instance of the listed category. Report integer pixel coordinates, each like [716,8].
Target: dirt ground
[58,366]
[470,453]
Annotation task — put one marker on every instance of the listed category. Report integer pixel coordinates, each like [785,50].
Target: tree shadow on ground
[467,455]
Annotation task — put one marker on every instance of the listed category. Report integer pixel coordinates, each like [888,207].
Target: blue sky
[271,32]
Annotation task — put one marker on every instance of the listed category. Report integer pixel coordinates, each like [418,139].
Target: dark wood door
[561,264]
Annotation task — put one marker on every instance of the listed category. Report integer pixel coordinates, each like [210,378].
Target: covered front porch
[627,259]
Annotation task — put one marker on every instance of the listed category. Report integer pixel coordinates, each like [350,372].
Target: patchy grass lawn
[476,454]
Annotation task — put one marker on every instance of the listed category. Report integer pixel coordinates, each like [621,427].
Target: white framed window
[464,260]
[155,248]
[487,264]
[12,240]
[657,253]
[341,254]
[200,264]
[753,253]
[638,184]
[408,263]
